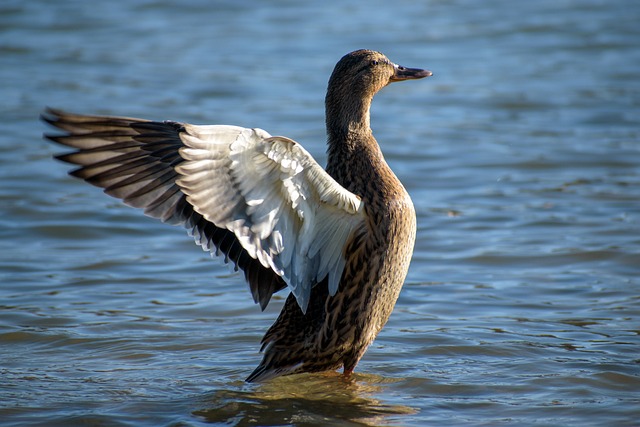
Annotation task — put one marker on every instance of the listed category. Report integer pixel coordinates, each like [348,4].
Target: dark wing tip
[51,116]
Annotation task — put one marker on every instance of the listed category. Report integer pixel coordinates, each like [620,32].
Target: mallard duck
[340,239]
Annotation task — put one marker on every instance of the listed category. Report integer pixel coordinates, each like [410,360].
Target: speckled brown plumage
[336,330]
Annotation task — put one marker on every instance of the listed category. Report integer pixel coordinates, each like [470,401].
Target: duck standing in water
[341,240]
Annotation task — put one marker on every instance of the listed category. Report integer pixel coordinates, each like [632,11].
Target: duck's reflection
[307,399]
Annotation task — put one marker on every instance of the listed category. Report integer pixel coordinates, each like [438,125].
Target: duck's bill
[404,73]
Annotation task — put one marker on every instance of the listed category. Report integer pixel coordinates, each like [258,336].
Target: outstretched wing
[262,201]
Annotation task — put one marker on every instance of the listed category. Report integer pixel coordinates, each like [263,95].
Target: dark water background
[522,155]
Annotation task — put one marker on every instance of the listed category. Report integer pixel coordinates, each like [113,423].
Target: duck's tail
[266,370]
[292,344]
[280,362]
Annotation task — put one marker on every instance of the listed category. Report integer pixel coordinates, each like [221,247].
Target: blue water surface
[521,153]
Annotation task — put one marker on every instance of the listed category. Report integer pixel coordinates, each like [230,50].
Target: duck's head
[357,77]
[364,72]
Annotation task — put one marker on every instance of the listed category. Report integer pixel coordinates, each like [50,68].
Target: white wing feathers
[285,210]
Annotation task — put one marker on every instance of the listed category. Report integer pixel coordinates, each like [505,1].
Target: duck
[339,238]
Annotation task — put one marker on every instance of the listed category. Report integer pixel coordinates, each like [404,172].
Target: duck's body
[341,240]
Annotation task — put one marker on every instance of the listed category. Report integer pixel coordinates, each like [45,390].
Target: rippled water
[522,155]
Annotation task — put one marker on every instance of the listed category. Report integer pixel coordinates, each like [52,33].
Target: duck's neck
[347,119]
[354,158]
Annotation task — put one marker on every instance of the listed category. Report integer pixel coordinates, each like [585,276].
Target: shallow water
[522,155]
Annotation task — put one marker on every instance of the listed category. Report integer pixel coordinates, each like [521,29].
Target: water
[522,156]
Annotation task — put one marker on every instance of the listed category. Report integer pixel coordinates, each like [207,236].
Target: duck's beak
[404,73]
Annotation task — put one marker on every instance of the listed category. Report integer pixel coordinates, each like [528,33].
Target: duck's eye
[374,62]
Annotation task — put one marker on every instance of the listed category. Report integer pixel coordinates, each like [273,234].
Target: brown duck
[340,240]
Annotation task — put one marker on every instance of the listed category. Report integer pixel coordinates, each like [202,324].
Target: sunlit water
[522,155]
